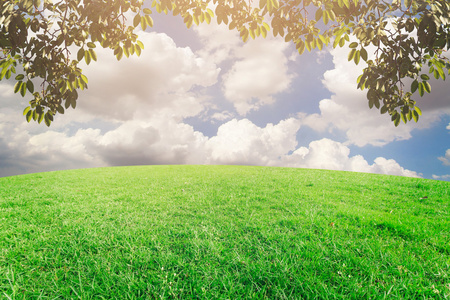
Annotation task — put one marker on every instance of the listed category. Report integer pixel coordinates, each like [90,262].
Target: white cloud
[347,109]
[161,80]
[446,158]
[260,72]
[441,177]
[221,116]
[259,67]
[332,155]
[142,102]
[242,142]
[167,141]
[219,43]
[159,141]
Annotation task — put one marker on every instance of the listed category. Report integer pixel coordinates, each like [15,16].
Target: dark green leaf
[397,120]
[357,57]
[29,115]
[425,77]
[364,54]
[414,86]
[415,116]
[30,86]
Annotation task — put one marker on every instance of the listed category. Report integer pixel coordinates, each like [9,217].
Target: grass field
[223,232]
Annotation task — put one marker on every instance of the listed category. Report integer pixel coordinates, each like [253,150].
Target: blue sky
[201,96]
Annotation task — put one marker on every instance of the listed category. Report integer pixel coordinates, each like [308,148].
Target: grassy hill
[223,232]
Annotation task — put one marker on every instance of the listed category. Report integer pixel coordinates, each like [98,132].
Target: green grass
[223,232]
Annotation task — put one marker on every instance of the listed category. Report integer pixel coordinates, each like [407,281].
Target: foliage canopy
[402,42]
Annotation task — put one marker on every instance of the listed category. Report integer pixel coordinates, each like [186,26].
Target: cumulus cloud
[219,43]
[242,142]
[259,68]
[161,80]
[260,72]
[167,141]
[347,109]
[134,113]
[332,155]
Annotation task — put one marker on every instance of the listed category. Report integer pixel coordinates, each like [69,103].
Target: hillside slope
[223,232]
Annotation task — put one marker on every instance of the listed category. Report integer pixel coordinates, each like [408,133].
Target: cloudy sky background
[201,96]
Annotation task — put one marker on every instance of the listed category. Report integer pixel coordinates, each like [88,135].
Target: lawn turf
[223,232]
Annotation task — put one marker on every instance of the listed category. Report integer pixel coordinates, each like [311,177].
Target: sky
[202,96]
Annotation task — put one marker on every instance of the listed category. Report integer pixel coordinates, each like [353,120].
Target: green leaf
[147,11]
[40,117]
[26,110]
[364,54]
[149,20]
[47,119]
[417,109]
[351,55]
[415,116]
[80,54]
[84,78]
[357,57]
[403,117]
[87,57]
[300,46]
[29,115]
[397,120]
[319,14]
[20,77]
[421,89]
[93,54]
[425,77]
[119,54]
[414,86]
[60,109]
[325,17]
[336,41]
[136,20]
[91,45]
[188,20]
[427,86]
[126,51]
[138,50]
[17,86]
[140,44]
[30,86]
[353,45]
